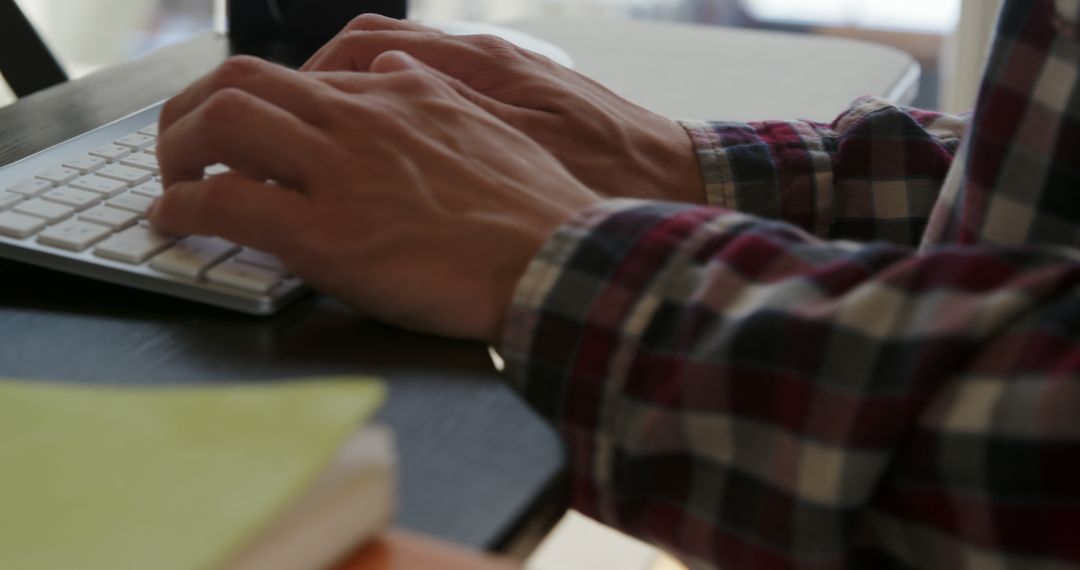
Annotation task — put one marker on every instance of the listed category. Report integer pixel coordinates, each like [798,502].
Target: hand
[615,147]
[387,189]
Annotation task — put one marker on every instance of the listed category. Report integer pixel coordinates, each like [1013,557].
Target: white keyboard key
[110,217]
[9,199]
[86,164]
[73,234]
[99,184]
[133,245]
[193,256]
[151,188]
[59,175]
[132,203]
[78,199]
[19,226]
[111,152]
[244,276]
[133,176]
[147,162]
[49,211]
[135,141]
[215,169]
[93,204]
[30,187]
[260,259]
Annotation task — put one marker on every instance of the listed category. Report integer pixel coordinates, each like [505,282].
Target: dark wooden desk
[474,459]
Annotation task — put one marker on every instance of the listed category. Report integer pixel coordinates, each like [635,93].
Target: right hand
[386,189]
[613,146]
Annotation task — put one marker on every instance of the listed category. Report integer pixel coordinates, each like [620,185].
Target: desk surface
[473,457]
[687,71]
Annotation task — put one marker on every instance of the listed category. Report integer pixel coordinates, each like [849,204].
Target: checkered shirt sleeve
[873,174]
[748,396]
[1018,177]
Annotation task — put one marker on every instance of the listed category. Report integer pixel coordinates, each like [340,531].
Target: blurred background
[88,34]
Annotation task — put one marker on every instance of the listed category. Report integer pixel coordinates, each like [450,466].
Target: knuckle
[417,84]
[235,69]
[367,21]
[224,105]
[414,80]
[492,45]
[350,39]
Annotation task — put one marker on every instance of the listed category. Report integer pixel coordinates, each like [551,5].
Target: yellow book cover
[118,478]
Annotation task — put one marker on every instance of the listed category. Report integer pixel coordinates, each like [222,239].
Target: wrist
[518,248]
[672,169]
[688,184]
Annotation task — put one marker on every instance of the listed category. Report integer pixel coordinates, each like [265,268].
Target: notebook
[268,476]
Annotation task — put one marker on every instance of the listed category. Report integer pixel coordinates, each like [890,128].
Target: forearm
[737,391]
[874,173]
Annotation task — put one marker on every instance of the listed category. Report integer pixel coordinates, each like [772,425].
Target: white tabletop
[708,72]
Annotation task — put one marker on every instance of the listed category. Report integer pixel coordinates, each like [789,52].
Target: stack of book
[272,476]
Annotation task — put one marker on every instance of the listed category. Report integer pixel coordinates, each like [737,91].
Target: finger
[247,134]
[398,61]
[355,50]
[395,61]
[237,208]
[270,82]
[391,61]
[368,23]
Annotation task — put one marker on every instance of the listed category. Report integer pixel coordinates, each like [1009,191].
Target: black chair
[289,31]
[25,61]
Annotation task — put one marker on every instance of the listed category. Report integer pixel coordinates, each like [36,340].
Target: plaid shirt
[745,394]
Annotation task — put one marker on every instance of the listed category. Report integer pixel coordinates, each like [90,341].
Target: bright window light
[936,16]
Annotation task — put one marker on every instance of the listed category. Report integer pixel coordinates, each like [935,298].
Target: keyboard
[80,207]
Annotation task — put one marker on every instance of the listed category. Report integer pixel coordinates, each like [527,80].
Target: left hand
[387,189]
[615,147]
